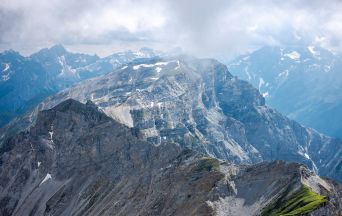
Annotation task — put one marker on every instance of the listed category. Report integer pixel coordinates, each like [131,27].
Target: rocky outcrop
[76,160]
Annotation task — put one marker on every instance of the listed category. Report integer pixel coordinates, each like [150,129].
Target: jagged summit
[146,50]
[74,105]
[10,52]
[11,57]
[56,50]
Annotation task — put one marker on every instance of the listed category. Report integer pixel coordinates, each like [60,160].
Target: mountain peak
[145,52]
[10,52]
[67,104]
[70,107]
[58,48]
[145,49]
[75,106]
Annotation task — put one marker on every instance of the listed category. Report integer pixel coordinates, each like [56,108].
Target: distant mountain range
[25,81]
[305,83]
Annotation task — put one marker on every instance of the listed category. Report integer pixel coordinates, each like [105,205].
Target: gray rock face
[23,84]
[200,105]
[76,160]
[62,66]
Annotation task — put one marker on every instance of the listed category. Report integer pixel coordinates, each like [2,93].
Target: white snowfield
[47,177]
[6,75]
[137,67]
[6,67]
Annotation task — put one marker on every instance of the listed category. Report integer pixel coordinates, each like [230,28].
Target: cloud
[206,28]
[27,24]
[219,27]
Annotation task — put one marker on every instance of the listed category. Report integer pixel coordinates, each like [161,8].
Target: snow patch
[248,75]
[140,54]
[47,177]
[5,77]
[6,67]
[158,69]
[261,82]
[66,69]
[137,67]
[124,67]
[5,73]
[38,163]
[51,133]
[265,94]
[162,63]
[178,65]
[284,74]
[307,156]
[293,55]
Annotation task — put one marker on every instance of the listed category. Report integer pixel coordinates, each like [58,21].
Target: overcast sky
[204,28]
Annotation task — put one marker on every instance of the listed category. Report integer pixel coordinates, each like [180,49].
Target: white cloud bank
[216,27]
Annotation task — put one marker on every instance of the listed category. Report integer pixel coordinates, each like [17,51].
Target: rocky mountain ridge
[76,160]
[200,105]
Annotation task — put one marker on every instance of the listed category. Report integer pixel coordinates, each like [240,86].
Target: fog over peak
[204,28]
